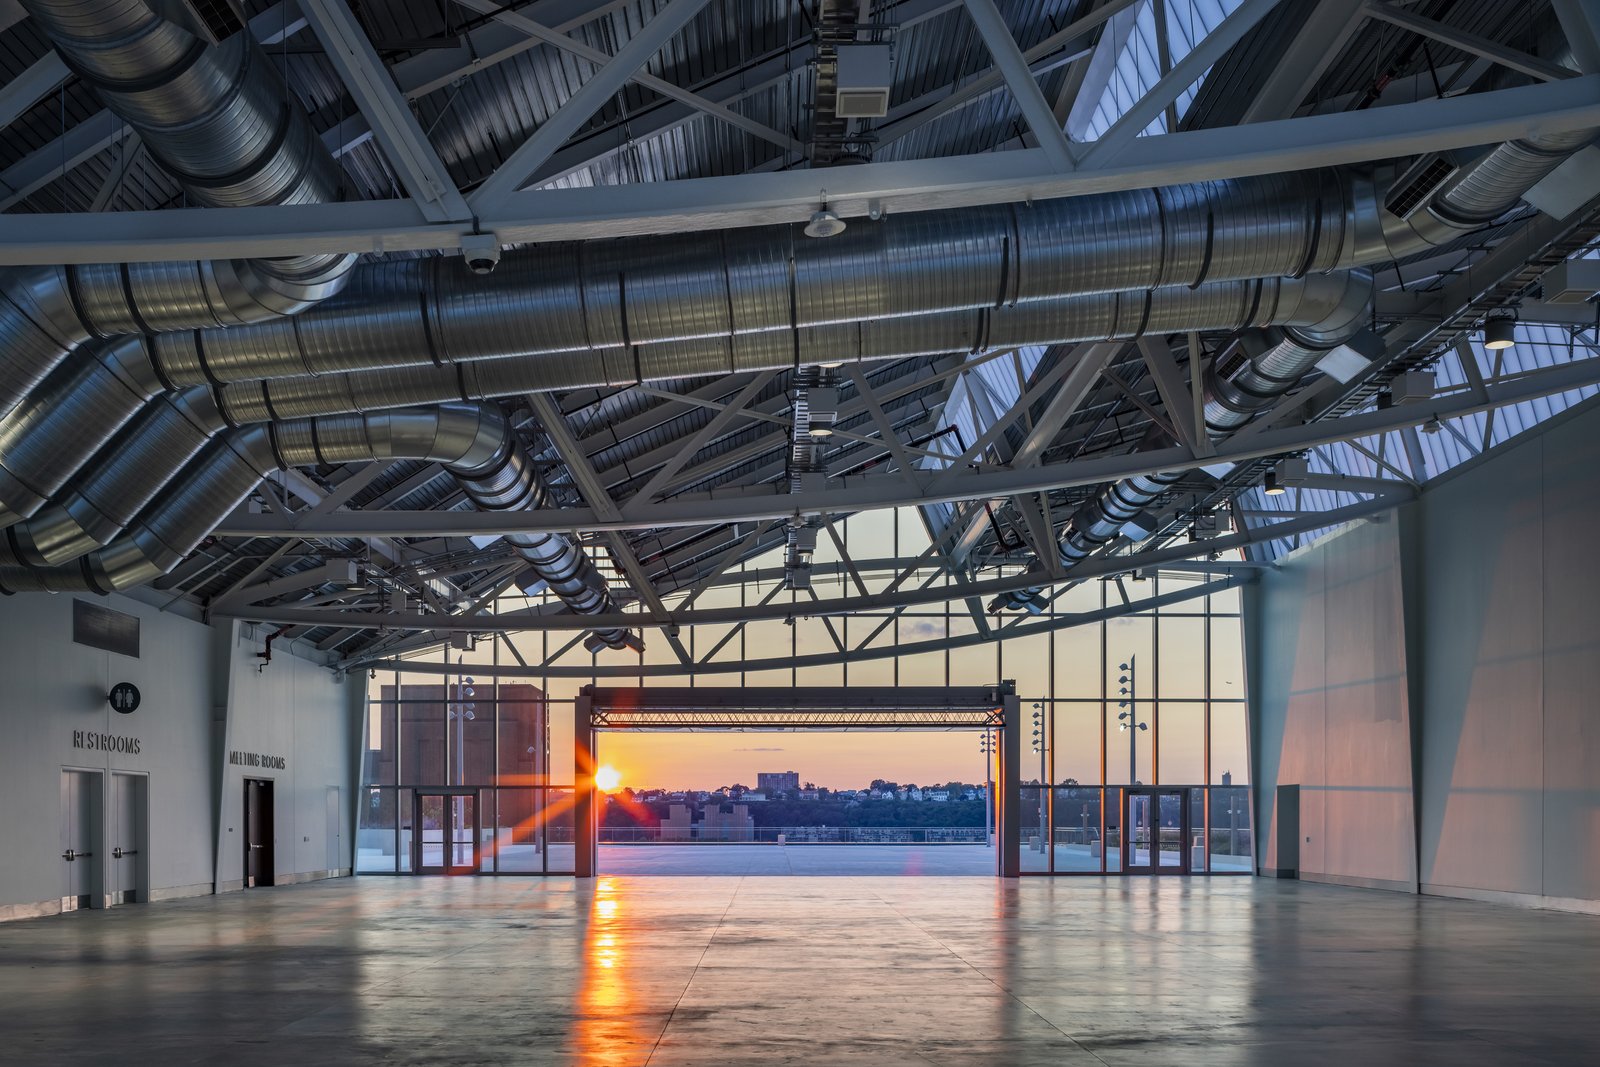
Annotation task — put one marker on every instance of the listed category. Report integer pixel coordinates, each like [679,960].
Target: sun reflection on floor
[609,1025]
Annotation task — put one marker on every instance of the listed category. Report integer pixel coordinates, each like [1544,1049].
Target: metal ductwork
[54,440]
[474,443]
[1101,316]
[1467,198]
[215,117]
[613,312]
[1276,363]
[617,295]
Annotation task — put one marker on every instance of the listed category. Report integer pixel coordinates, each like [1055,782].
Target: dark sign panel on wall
[124,697]
[98,627]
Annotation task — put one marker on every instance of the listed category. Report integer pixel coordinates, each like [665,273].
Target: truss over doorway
[830,708]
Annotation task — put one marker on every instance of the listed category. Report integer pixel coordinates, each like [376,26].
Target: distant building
[773,782]
[754,794]
[719,821]
[727,822]
[938,796]
[679,823]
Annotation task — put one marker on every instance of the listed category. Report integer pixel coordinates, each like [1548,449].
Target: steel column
[1008,828]
[586,799]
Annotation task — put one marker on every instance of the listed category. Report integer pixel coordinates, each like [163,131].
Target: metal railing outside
[796,835]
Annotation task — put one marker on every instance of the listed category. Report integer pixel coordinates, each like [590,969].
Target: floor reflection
[610,1025]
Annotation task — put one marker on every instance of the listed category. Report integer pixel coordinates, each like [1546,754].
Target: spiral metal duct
[213,116]
[1230,402]
[475,443]
[1473,196]
[618,294]
[614,312]
[124,476]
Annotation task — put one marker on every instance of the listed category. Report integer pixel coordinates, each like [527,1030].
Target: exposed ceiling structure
[355,318]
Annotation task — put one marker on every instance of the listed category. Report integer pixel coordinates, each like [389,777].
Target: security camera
[481,251]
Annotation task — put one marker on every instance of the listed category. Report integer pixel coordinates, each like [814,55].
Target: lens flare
[608,779]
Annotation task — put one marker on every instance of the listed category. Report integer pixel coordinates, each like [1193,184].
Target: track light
[1271,486]
[1500,331]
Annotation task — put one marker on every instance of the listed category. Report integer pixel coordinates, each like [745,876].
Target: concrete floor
[879,971]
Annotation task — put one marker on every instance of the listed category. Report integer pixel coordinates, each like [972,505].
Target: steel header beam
[791,196]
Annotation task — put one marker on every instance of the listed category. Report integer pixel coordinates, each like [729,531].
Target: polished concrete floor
[769,971]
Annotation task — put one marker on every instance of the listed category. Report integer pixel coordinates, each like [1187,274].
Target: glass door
[1154,832]
[445,833]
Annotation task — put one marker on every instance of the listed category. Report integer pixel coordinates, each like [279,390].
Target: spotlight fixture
[1431,426]
[1500,331]
[1271,486]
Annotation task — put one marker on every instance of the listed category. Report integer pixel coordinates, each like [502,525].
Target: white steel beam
[746,200]
[1580,21]
[1494,51]
[1008,59]
[29,87]
[398,133]
[759,502]
[1065,38]
[1171,85]
[851,604]
[1299,67]
[590,97]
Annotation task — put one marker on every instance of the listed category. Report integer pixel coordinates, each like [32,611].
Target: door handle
[69,855]
[118,853]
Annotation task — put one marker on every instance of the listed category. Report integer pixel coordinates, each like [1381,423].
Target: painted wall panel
[54,688]
[1332,706]
[1482,641]
[1572,661]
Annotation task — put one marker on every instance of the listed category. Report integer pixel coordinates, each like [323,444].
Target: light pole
[460,712]
[1129,717]
[986,746]
[1038,748]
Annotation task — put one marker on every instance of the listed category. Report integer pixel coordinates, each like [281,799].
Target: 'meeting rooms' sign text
[257,759]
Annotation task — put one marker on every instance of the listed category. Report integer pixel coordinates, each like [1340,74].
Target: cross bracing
[479,125]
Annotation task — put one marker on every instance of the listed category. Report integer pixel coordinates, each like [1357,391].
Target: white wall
[290,708]
[1510,624]
[1477,610]
[1330,689]
[52,687]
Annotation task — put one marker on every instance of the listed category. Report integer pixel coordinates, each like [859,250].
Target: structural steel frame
[996,707]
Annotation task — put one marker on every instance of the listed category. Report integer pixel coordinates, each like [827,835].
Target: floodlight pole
[987,747]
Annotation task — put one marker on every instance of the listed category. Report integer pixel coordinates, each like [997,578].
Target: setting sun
[608,779]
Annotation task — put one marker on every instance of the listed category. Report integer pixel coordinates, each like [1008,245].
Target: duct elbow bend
[1349,310]
[613,639]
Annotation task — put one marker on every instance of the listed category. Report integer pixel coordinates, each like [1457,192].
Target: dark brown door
[259,863]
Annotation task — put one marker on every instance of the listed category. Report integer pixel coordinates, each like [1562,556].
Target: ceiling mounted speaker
[824,223]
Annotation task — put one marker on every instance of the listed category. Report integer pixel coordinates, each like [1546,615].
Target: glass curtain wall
[456,777]
[1086,745]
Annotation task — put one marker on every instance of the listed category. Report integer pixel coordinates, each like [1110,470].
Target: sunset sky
[834,760]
